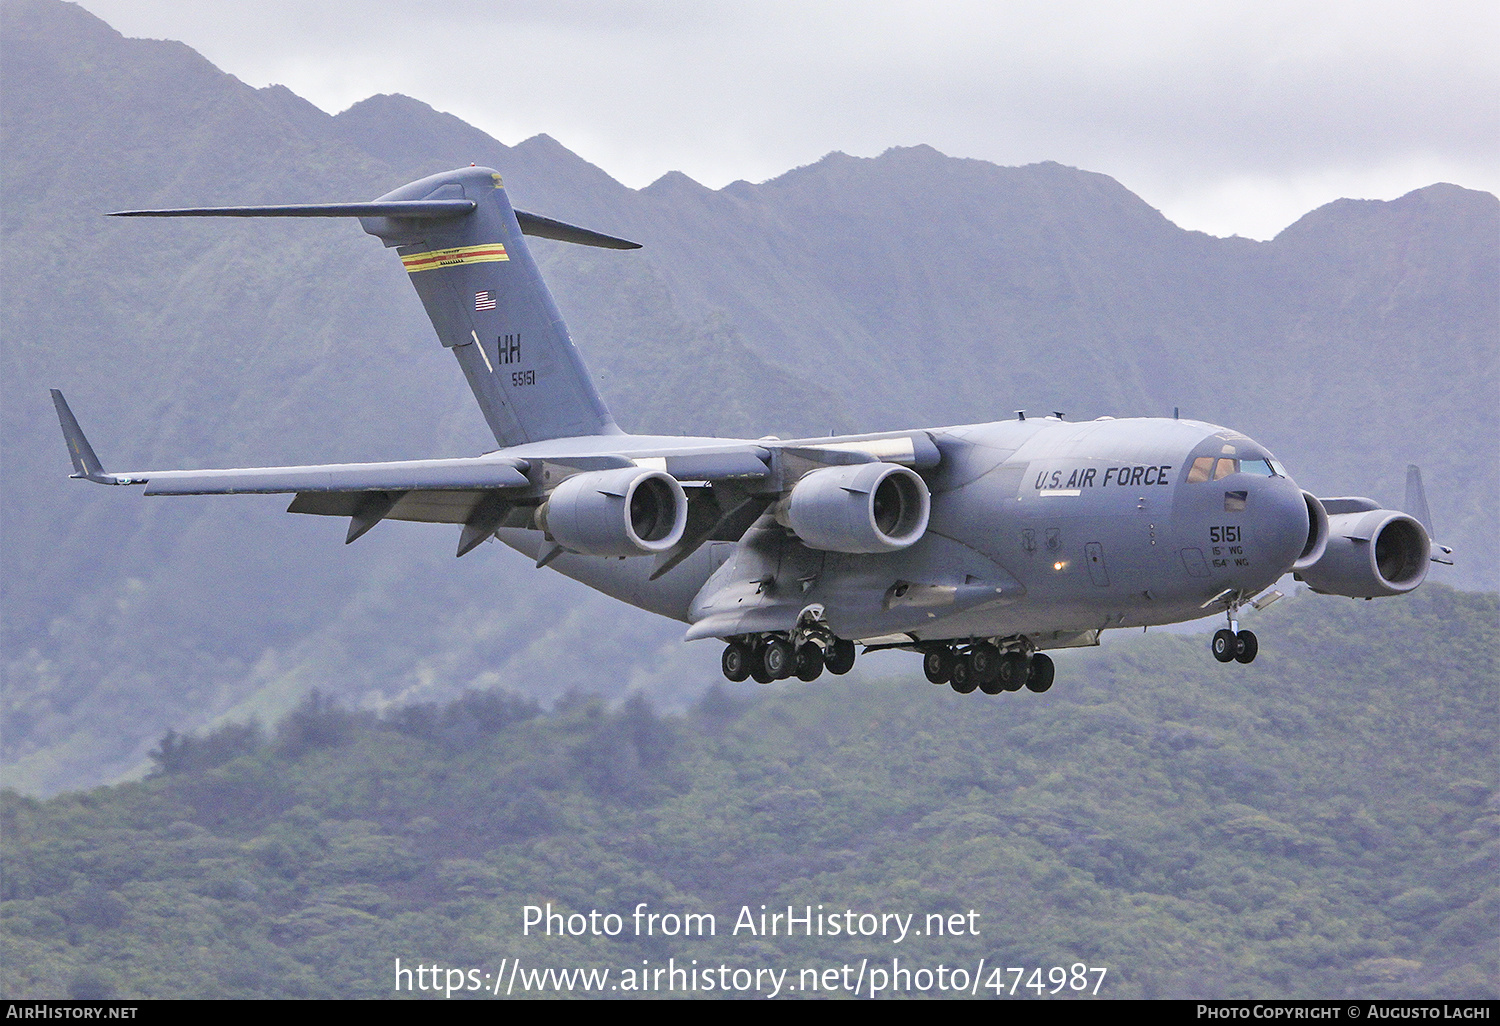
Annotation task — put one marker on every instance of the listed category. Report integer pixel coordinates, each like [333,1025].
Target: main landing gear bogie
[771,657]
[805,654]
[983,667]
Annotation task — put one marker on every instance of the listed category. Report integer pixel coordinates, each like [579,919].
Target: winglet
[86,465]
[1416,505]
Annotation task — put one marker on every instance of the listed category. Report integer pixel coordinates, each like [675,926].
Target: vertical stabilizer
[489,305]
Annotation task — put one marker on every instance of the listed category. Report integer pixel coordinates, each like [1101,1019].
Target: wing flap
[437,506]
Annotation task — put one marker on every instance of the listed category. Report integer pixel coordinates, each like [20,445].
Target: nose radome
[1279,515]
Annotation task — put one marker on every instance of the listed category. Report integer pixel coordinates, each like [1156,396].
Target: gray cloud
[1229,116]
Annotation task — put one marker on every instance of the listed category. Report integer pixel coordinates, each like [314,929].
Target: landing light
[1059,565]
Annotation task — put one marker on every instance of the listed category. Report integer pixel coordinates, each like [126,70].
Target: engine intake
[1317,533]
[868,507]
[1369,554]
[631,511]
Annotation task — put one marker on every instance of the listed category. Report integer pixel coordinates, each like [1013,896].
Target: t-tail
[463,246]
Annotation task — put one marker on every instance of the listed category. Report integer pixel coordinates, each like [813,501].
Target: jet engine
[1317,533]
[631,511]
[868,507]
[1370,553]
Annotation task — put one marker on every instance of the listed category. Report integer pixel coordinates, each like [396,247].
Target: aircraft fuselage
[977,545]
[1039,527]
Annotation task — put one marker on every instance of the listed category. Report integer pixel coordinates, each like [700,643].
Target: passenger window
[1202,467]
[1225,467]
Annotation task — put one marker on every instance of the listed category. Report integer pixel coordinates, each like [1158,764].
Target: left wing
[477,492]
[730,484]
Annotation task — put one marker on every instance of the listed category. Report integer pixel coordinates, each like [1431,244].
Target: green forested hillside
[1323,822]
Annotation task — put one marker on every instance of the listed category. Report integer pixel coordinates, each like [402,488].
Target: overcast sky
[1230,117]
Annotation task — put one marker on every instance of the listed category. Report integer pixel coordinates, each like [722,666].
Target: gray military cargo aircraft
[981,546]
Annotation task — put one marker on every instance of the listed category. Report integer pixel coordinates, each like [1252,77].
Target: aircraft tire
[1040,673]
[985,662]
[840,659]
[937,664]
[1245,647]
[809,661]
[962,679]
[992,686]
[1225,645]
[757,664]
[777,660]
[1013,671]
[736,661]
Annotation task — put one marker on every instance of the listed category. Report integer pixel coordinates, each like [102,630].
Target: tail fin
[461,243]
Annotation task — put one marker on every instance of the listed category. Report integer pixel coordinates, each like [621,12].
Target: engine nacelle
[631,511]
[1317,533]
[1369,554]
[867,507]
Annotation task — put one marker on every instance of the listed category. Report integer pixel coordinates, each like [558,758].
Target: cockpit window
[1216,468]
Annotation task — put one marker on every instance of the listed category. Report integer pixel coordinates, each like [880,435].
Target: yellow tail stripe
[487,253]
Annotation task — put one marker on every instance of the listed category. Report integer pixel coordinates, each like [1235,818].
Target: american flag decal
[483,301]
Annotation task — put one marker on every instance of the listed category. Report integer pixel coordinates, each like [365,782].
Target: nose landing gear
[1231,644]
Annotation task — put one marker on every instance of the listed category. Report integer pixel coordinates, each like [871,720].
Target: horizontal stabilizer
[546,228]
[531,224]
[393,208]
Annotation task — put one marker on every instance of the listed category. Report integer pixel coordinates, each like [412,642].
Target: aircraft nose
[1280,521]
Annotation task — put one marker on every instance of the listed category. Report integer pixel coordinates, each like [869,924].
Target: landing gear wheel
[937,664]
[962,677]
[736,661]
[1225,645]
[1012,671]
[1039,675]
[809,661]
[758,669]
[777,660]
[984,662]
[1245,647]
[840,658]
[992,686]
